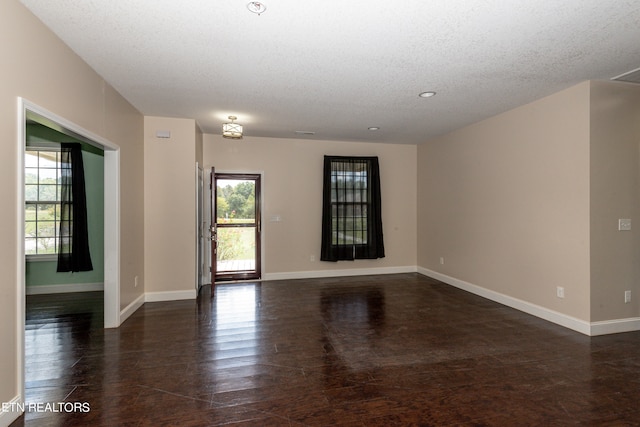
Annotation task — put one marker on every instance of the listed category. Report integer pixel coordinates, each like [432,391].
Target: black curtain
[351,211]
[73,247]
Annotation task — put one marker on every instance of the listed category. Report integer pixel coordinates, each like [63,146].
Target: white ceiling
[337,67]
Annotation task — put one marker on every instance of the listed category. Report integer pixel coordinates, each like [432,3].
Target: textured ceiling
[338,67]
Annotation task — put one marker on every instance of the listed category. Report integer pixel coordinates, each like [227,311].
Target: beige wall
[169,200]
[126,130]
[292,189]
[615,193]
[530,200]
[505,202]
[39,67]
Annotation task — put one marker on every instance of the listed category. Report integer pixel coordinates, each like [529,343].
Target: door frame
[200,228]
[263,233]
[112,314]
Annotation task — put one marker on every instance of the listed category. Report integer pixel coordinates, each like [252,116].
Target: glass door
[237,227]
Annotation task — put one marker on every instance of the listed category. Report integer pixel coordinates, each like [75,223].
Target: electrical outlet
[560,292]
[135,282]
[441,260]
[312,258]
[627,297]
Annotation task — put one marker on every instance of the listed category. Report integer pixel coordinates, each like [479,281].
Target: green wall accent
[44,272]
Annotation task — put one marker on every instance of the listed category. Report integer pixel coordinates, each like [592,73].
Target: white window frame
[48,256]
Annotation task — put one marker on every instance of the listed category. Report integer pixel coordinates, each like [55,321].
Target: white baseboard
[131,308]
[154,297]
[61,289]
[338,273]
[12,414]
[615,326]
[588,328]
[570,322]
[169,295]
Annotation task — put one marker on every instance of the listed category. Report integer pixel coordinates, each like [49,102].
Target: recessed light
[374,128]
[305,132]
[428,94]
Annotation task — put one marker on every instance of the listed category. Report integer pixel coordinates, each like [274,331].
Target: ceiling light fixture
[428,94]
[256,7]
[374,128]
[232,130]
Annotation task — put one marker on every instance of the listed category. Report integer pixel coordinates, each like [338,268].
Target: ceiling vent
[632,76]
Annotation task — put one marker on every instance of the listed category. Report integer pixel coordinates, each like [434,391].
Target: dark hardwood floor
[396,350]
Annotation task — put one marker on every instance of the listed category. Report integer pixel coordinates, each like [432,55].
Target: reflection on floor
[391,350]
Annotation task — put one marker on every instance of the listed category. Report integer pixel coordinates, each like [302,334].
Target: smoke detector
[256,7]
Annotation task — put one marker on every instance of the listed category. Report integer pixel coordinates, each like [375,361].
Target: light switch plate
[624,224]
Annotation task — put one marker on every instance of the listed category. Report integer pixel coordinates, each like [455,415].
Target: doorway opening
[236,230]
[28,112]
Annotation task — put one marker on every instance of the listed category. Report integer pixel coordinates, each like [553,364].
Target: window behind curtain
[351,216]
